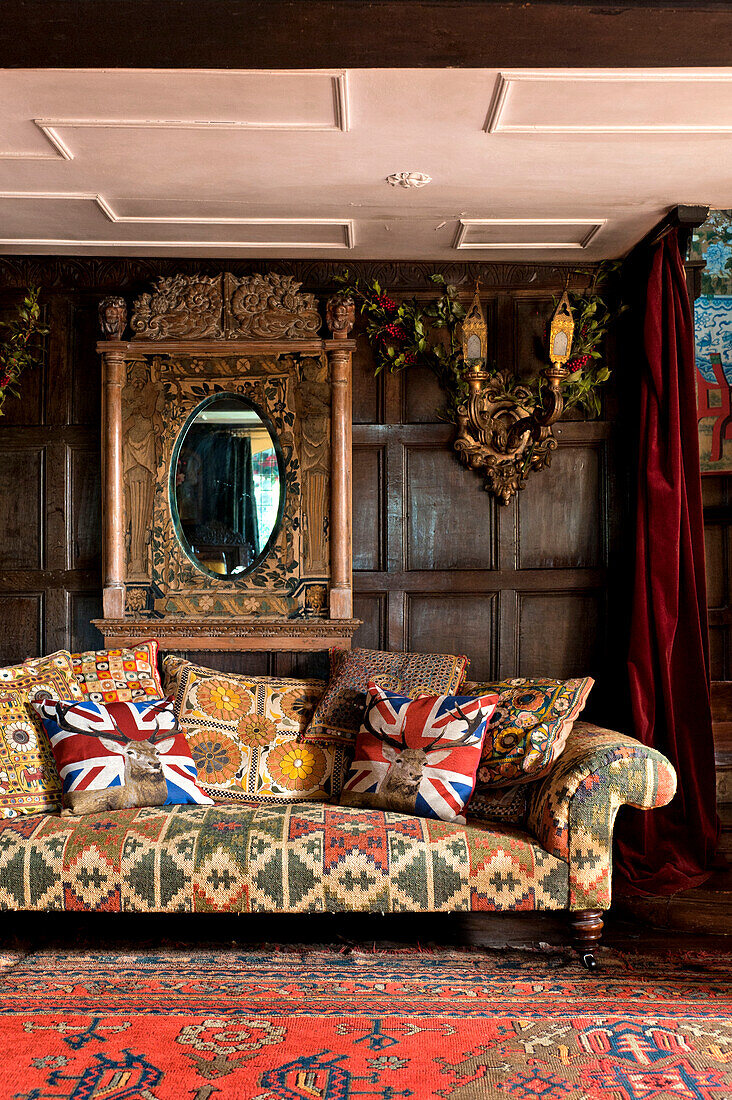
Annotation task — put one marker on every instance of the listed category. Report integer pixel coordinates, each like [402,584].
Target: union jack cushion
[120,755]
[418,756]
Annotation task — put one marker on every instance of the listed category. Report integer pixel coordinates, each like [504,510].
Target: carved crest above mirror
[194,307]
[227,435]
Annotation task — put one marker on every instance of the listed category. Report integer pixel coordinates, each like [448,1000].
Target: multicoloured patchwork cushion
[29,782]
[530,727]
[120,755]
[244,735]
[118,675]
[338,714]
[418,756]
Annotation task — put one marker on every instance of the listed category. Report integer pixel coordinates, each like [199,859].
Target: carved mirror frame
[256,337]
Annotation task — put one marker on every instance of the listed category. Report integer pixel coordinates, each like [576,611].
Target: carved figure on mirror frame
[112,312]
[143,402]
[340,315]
[313,407]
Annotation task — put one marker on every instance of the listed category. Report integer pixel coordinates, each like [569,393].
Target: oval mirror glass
[227,486]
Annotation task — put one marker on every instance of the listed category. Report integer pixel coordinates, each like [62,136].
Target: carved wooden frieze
[192,307]
[270,307]
[184,307]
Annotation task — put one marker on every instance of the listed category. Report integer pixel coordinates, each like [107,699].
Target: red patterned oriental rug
[322,1025]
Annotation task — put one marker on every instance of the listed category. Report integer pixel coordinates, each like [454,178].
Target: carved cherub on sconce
[340,315]
[113,317]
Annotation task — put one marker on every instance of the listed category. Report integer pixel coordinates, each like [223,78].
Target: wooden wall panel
[438,564]
[450,519]
[21,626]
[372,611]
[558,530]
[560,634]
[86,513]
[369,529]
[22,504]
[455,623]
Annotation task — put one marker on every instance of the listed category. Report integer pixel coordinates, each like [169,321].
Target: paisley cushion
[338,714]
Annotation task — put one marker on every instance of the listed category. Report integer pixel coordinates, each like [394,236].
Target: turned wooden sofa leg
[586,925]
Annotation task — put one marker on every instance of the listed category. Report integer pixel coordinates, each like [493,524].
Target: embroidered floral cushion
[118,675]
[529,728]
[29,782]
[418,756]
[339,713]
[244,733]
[120,755]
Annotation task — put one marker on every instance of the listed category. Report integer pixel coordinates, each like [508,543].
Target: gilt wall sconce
[503,431]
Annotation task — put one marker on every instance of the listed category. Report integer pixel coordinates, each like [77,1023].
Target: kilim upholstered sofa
[316,857]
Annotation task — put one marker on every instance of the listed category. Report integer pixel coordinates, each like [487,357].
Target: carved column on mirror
[114,377]
[340,317]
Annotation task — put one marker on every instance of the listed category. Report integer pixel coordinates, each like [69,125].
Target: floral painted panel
[713,342]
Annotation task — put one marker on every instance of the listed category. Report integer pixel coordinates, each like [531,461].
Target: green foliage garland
[17,351]
[413,334]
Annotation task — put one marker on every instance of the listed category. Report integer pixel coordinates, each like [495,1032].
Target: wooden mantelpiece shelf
[230,633]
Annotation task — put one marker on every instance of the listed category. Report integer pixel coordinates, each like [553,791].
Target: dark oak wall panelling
[439,565]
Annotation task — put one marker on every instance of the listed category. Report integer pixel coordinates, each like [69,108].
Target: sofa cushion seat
[298,858]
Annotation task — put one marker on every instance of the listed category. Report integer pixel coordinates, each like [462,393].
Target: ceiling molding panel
[266,100]
[529,233]
[83,216]
[601,101]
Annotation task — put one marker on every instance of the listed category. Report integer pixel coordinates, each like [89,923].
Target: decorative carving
[270,307]
[207,628]
[500,436]
[340,315]
[313,405]
[184,307]
[142,428]
[113,317]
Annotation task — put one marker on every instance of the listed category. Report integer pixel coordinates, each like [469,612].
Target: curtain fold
[672,848]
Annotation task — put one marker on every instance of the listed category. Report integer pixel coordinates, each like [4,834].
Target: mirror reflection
[228,486]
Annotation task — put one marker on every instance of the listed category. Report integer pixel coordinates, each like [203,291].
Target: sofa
[319,857]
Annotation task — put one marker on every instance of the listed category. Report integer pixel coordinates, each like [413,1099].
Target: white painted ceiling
[539,164]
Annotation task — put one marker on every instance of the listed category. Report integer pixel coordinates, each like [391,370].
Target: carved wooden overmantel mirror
[227,466]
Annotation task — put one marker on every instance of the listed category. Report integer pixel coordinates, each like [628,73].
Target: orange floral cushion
[244,734]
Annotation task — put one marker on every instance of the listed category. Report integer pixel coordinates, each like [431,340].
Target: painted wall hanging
[712,243]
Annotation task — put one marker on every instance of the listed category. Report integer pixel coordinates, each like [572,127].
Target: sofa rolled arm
[572,810]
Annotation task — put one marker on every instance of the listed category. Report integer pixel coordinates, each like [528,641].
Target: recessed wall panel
[560,512]
[559,634]
[450,518]
[371,609]
[369,531]
[21,507]
[21,627]
[455,624]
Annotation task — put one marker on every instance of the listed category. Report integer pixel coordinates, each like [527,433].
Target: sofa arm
[572,811]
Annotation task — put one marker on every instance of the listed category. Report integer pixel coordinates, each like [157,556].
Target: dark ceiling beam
[684,218]
[361,33]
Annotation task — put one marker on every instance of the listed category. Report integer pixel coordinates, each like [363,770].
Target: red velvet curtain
[670,849]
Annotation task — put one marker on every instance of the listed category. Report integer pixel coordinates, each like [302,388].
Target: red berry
[4,381]
[386,303]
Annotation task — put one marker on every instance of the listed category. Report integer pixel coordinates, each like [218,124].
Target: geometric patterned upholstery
[572,810]
[316,857]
